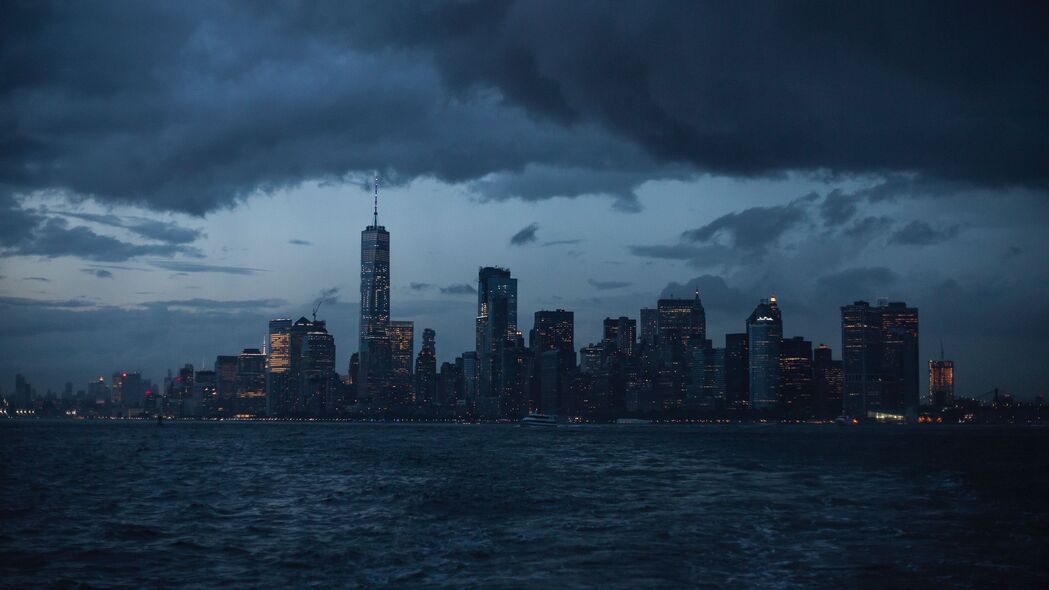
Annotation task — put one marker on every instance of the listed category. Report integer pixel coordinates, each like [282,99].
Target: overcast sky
[172,175]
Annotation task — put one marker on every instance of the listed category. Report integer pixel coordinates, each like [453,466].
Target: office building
[278,365]
[827,383]
[495,332]
[620,334]
[941,383]
[737,372]
[552,341]
[649,326]
[402,353]
[764,333]
[795,387]
[426,370]
[879,358]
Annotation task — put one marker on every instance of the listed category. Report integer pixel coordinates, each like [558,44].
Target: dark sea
[249,505]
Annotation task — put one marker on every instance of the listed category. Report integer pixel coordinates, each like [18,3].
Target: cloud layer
[221,100]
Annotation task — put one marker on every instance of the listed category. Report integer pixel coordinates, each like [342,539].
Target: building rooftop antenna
[375,212]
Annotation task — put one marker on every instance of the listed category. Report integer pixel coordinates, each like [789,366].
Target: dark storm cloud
[459,289]
[920,233]
[38,279]
[525,236]
[221,100]
[561,243]
[605,285]
[100,273]
[420,286]
[838,207]
[54,238]
[751,229]
[868,227]
[22,302]
[151,229]
[300,242]
[181,266]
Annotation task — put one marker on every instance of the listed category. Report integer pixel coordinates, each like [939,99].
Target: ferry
[539,421]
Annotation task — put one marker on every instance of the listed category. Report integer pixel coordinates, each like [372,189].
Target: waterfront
[128,503]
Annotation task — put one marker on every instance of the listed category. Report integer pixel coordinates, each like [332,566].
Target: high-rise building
[764,332]
[132,389]
[23,397]
[278,365]
[318,382]
[795,387]
[649,326]
[681,325]
[552,341]
[827,382]
[590,359]
[621,333]
[402,353]
[226,381]
[941,383]
[250,396]
[204,392]
[737,372]
[900,361]
[470,379]
[374,329]
[879,358]
[426,370]
[707,379]
[496,330]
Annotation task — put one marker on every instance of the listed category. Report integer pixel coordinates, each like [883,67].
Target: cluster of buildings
[661,365]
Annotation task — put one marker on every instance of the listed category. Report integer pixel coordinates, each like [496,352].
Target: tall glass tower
[764,332]
[496,323]
[374,345]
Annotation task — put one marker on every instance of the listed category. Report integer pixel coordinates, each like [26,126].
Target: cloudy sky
[172,175]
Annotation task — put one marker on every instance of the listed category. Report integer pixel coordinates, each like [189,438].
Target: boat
[539,421]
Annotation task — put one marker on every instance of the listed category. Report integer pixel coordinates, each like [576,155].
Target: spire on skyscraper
[375,211]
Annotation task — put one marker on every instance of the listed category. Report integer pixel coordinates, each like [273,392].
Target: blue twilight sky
[172,177]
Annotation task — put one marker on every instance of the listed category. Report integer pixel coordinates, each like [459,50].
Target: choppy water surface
[288,504]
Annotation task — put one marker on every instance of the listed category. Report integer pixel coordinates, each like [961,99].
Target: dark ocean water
[131,504]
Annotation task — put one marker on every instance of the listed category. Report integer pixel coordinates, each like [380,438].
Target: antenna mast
[375,212]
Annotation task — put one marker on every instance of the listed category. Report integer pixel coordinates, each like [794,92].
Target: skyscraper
[496,326]
[941,382]
[318,383]
[764,332]
[426,370]
[681,325]
[737,372]
[795,378]
[225,382]
[278,364]
[827,382]
[251,382]
[879,358]
[649,326]
[552,341]
[900,364]
[620,332]
[402,351]
[374,327]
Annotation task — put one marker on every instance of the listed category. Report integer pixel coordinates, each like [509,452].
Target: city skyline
[195,209]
